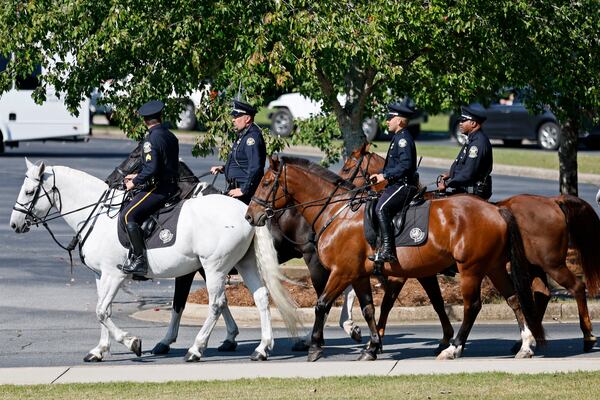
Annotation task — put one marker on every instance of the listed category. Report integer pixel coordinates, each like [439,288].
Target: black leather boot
[136,264]
[387,250]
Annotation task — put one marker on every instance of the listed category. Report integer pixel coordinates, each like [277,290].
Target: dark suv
[510,121]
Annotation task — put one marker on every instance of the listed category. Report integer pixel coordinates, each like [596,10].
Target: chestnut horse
[546,225]
[479,237]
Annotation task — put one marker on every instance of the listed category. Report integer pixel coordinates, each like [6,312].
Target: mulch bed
[412,293]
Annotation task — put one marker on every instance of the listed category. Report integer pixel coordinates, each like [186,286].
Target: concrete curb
[195,314]
[499,169]
[231,371]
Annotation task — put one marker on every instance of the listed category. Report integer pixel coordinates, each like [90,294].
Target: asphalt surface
[47,314]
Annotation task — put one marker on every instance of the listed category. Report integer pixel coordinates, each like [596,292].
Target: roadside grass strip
[579,385]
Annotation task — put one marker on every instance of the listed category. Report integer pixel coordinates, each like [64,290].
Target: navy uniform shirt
[246,161]
[474,162]
[401,159]
[160,158]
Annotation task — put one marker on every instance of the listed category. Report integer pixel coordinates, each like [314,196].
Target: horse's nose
[249,218]
[13,225]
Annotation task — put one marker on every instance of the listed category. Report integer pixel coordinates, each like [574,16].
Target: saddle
[160,229]
[411,225]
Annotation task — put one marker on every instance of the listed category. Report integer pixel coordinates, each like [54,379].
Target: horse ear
[42,168]
[273,162]
[28,163]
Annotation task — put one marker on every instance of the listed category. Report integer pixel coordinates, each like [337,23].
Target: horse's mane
[318,170]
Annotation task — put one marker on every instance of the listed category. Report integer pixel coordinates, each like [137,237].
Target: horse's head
[130,165]
[270,195]
[360,165]
[34,201]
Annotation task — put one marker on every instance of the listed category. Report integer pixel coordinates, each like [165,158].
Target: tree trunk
[567,157]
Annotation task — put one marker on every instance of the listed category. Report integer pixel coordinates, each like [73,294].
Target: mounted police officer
[153,185]
[400,172]
[246,162]
[470,172]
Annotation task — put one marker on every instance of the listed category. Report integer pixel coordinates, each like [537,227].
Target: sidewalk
[499,169]
[228,371]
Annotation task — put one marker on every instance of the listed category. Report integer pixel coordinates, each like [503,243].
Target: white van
[21,119]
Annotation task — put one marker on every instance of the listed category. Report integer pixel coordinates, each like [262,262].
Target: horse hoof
[92,358]
[136,346]
[524,354]
[161,348]
[446,355]
[368,355]
[516,347]
[441,347]
[300,345]
[228,345]
[588,345]
[355,334]
[191,357]
[257,356]
[314,353]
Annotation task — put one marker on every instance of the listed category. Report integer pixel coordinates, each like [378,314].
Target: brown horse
[546,225]
[479,237]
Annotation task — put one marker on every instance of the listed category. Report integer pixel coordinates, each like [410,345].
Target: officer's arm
[150,166]
[255,164]
[467,175]
[403,159]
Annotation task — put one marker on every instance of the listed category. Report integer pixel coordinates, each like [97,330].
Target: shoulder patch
[402,142]
[147,147]
[250,141]
[148,157]
[473,150]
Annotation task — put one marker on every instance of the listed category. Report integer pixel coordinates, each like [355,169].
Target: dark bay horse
[479,237]
[292,237]
[547,224]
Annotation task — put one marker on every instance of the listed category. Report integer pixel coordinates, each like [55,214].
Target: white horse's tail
[266,258]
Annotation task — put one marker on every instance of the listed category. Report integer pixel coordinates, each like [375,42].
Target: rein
[32,219]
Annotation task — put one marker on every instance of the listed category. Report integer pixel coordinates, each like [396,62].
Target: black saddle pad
[160,230]
[410,232]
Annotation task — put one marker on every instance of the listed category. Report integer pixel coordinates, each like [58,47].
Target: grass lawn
[461,386]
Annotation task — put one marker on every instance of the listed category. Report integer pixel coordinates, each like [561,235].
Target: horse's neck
[317,190]
[77,189]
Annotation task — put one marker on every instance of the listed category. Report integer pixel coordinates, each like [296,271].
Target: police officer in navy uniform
[400,172]
[470,172]
[246,162]
[154,184]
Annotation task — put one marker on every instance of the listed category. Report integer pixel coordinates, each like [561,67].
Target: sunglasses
[461,120]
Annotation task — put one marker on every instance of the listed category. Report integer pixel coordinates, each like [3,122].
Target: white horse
[212,233]
[598,197]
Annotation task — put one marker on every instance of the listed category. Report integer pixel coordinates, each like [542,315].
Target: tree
[441,53]
[557,57]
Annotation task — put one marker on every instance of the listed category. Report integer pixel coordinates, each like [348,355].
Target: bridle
[27,208]
[357,168]
[269,205]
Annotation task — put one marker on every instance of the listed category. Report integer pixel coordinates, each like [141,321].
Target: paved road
[47,315]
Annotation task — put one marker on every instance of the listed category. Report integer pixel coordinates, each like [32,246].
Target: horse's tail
[520,276]
[584,231]
[266,258]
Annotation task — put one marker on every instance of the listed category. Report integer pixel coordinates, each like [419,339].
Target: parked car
[294,106]
[511,122]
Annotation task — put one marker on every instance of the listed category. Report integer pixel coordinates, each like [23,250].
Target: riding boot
[387,250]
[136,264]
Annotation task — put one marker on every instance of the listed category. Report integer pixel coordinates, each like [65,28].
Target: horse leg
[107,290]
[346,321]
[103,347]
[362,287]
[183,284]
[334,287]
[502,282]
[470,287]
[392,290]
[215,285]
[564,277]
[318,277]
[541,297]
[251,276]
[229,344]
[432,288]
